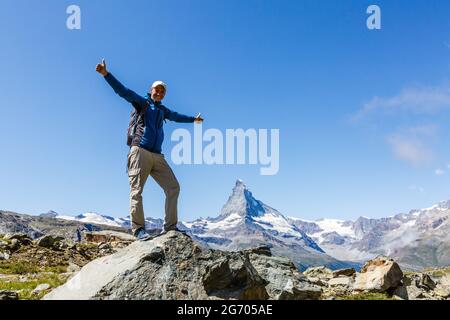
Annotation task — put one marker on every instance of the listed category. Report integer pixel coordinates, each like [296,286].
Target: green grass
[27,287]
[87,245]
[367,296]
[439,272]
[7,267]
[19,267]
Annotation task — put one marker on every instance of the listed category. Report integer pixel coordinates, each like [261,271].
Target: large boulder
[378,275]
[173,266]
[421,286]
[409,292]
[285,282]
[49,241]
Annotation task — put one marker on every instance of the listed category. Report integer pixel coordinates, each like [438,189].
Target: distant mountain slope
[418,239]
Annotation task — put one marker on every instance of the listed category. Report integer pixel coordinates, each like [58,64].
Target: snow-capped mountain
[245,222]
[420,238]
[242,210]
[95,218]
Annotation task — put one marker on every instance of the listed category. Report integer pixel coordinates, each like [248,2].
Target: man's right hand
[101,68]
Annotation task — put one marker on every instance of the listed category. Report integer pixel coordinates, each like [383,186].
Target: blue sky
[363,115]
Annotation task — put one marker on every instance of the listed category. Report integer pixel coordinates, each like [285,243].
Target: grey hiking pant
[141,164]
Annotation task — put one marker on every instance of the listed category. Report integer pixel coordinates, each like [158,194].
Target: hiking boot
[173,229]
[141,234]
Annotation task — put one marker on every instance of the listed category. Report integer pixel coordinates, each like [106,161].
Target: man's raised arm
[178,117]
[119,88]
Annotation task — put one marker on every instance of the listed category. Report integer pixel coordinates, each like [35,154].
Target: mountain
[95,218]
[245,222]
[418,239]
[37,226]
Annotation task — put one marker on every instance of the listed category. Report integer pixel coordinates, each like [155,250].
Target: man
[145,157]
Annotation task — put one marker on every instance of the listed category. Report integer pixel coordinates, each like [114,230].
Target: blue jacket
[149,132]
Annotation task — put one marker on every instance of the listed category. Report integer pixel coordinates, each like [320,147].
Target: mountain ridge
[245,221]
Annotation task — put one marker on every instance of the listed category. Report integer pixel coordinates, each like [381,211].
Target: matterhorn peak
[240,184]
[241,202]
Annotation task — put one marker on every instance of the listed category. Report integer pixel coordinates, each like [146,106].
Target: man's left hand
[198,119]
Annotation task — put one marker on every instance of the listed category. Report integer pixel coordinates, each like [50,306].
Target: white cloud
[414,144]
[439,172]
[416,188]
[419,100]
[411,146]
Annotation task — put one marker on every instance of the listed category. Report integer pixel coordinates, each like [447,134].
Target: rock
[344,272]
[17,239]
[4,256]
[410,292]
[319,272]
[234,278]
[262,250]
[104,246]
[426,282]
[171,266]
[72,267]
[284,280]
[442,291]
[3,244]
[17,236]
[338,287]
[420,280]
[14,245]
[108,236]
[49,241]
[345,282]
[317,281]
[378,275]
[41,287]
[8,295]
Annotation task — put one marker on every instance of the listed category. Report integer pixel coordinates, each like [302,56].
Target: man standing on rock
[145,137]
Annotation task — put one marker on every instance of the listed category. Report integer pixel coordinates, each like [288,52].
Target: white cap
[159,83]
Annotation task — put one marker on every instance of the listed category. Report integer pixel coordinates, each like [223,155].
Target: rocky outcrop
[51,251]
[173,266]
[378,275]
[320,272]
[381,275]
[108,236]
[49,241]
[284,280]
[37,226]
